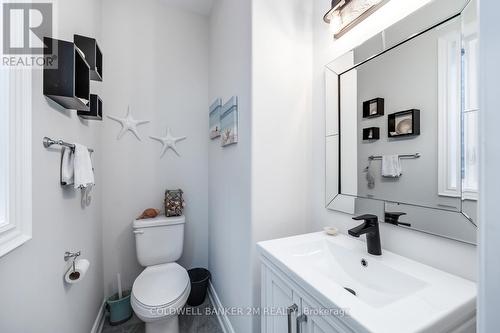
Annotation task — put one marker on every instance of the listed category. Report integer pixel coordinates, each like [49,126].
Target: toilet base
[168,325]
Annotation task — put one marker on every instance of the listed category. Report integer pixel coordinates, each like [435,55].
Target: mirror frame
[410,27]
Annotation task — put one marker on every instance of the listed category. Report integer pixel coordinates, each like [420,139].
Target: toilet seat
[160,291]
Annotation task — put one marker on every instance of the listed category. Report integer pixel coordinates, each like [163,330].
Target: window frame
[453,43]
[469,108]
[17,228]
[4,170]
[449,119]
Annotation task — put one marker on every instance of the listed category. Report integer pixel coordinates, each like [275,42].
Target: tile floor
[195,320]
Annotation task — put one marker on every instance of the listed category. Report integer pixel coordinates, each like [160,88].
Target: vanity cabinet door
[279,308]
[313,318]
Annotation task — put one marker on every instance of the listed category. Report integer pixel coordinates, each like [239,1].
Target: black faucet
[370,228]
[393,218]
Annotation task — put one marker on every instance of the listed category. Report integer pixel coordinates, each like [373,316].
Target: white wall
[34,298]
[489,270]
[275,56]
[454,257]
[155,60]
[229,212]
[282,53]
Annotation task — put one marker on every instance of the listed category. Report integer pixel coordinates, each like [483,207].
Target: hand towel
[369,176]
[84,174]
[391,166]
[67,166]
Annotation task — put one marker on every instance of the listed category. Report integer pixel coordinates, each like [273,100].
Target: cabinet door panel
[318,318]
[276,301]
[313,327]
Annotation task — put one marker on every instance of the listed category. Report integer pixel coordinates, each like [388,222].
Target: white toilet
[162,289]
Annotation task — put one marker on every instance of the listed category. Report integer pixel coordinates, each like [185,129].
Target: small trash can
[119,308]
[199,283]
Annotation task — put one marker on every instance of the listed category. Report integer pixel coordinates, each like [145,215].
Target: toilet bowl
[158,295]
[162,289]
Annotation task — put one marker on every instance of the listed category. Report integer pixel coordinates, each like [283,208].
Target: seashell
[149,213]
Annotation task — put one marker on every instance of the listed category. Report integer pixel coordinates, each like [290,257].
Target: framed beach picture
[215,110]
[229,122]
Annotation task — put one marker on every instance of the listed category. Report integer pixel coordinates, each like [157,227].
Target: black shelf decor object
[93,55]
[66,80]
[373,108]
[404,123]
[95,112]
[371,133]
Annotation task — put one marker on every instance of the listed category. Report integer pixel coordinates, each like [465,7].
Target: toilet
[162,289]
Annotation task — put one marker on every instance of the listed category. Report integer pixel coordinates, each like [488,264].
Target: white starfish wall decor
[129,124]
[168,142]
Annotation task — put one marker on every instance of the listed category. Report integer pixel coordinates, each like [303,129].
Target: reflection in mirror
[470,159]
[407,77]
[425,220]
[401,131]
[357,206]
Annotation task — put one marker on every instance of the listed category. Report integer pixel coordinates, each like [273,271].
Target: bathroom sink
[387,293]
[373,282]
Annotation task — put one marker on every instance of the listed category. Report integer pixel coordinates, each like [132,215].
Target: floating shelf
[93,55]
[95,112]
[373,108]
[67,79]
[404,123]
[371,133]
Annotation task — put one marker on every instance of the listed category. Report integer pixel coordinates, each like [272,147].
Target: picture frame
[229,122]
[214,118]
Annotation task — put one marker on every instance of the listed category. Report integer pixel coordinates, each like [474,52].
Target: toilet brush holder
[119,308]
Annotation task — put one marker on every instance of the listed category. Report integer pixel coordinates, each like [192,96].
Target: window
[449,106]
[15,158]
[4,144]
[15,145]
[470,118]
[458,135]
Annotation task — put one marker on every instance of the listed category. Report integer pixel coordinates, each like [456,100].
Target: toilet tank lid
[158,221]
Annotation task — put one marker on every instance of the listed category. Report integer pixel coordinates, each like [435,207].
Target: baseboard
[221,315]
[99,320]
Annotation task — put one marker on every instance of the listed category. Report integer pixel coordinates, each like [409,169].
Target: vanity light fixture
[345,14]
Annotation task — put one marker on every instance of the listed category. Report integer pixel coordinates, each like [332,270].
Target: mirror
[401,124]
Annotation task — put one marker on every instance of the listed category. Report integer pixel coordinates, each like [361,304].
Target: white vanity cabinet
[287,308]
[308,280]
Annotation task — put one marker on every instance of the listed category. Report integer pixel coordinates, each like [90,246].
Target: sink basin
[387,293]
[374,282]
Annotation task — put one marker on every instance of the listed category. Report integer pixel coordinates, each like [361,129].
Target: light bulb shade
[335,22]
[345,14]
[336,4]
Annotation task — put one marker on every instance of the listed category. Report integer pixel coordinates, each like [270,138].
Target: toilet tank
[159,240]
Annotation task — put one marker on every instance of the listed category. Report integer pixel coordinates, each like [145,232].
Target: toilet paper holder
[68,255]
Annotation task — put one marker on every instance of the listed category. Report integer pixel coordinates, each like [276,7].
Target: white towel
[67,166]
[84,174]
[391,166]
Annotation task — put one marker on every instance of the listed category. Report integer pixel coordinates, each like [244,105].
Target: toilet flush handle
[138,232]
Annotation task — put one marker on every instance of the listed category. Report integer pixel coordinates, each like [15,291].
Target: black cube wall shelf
[373,108]
[93,55]
[371,133]
[66,80]
[404,123]
[95,112]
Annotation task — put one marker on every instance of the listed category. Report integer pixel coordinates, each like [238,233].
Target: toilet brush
[120,293]
[118,305]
